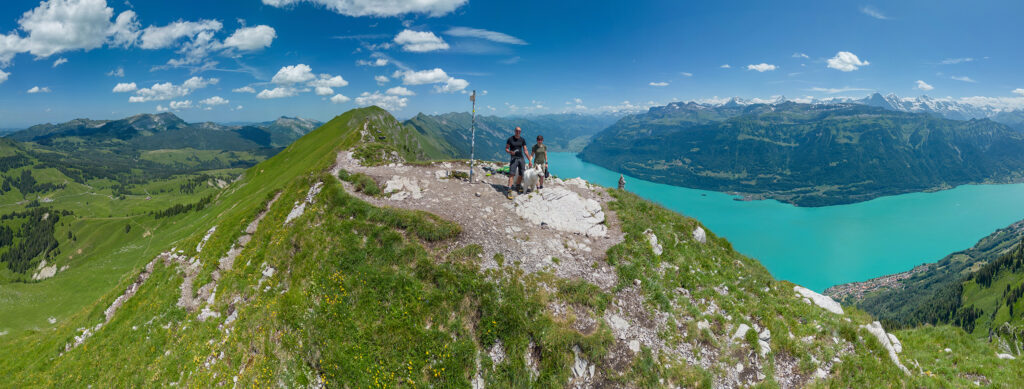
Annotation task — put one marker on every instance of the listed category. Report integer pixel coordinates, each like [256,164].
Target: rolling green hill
[808,155]
[286,278]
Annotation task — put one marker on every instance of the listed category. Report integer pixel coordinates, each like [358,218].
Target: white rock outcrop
[577,182]
[653,240]
[741,332]
[563,210]
[300,207]
[876,329]
[1005,356]
[699,235]
[402,188]
[46,272]
[820,300]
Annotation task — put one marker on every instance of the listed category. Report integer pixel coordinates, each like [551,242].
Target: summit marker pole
[472,141]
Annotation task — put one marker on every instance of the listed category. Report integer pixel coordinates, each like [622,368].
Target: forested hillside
[977,289]
[808,155]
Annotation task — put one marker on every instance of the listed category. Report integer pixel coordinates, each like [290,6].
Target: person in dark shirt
[515,146]
[540,159]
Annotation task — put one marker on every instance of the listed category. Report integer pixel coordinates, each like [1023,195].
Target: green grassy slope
[364,296]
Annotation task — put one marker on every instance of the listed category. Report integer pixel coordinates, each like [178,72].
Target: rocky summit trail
[563,228]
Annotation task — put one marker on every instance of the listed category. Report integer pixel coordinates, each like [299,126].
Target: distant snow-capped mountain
[1004,110]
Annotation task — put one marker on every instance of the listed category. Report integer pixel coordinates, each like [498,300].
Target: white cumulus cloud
[119,72]
[244,89]
[400,91]
[421,77]
[154,37]
[923,85]
[323,91]
[3,76]
[327,80]
[62,25]
[381,80]
[251,38]
[37,89]
[167,90]
[762,67]
[1019,91]
[60,61]
[125,87]
[293,74]
[466,32]
[215,100]
[199,82]
[339,98]
[846,61]
[390,103]
[125,30]
[375,62]
[452,85]
[659,83]
[420,41]
[277,93]
[177,105]
[379,8]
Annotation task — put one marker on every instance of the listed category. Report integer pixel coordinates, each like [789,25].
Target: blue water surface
[823,246]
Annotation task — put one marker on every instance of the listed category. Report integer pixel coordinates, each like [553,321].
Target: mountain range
[808,154]
[167,131]
[948,108]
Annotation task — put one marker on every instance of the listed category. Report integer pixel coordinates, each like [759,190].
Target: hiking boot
[508,194]
[539,187]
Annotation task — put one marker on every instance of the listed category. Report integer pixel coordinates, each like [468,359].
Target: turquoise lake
[824,246]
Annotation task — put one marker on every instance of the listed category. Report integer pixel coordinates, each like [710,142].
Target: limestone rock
[741,332]
[402,188]
[653,240]
[1005,356]
[699,235]
[895,343]
[820,300]
[46,272]
[876,329]
[578,182]
[563,210]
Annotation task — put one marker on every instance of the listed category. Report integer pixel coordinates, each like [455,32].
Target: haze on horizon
[255,60]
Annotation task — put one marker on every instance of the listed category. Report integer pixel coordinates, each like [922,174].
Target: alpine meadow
[462,194]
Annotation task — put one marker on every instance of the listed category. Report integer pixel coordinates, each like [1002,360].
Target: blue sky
[316,58]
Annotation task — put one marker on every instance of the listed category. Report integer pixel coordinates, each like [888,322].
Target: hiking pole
[472,141]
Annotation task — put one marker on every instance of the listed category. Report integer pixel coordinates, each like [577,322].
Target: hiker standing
[540,159]
[515,146]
